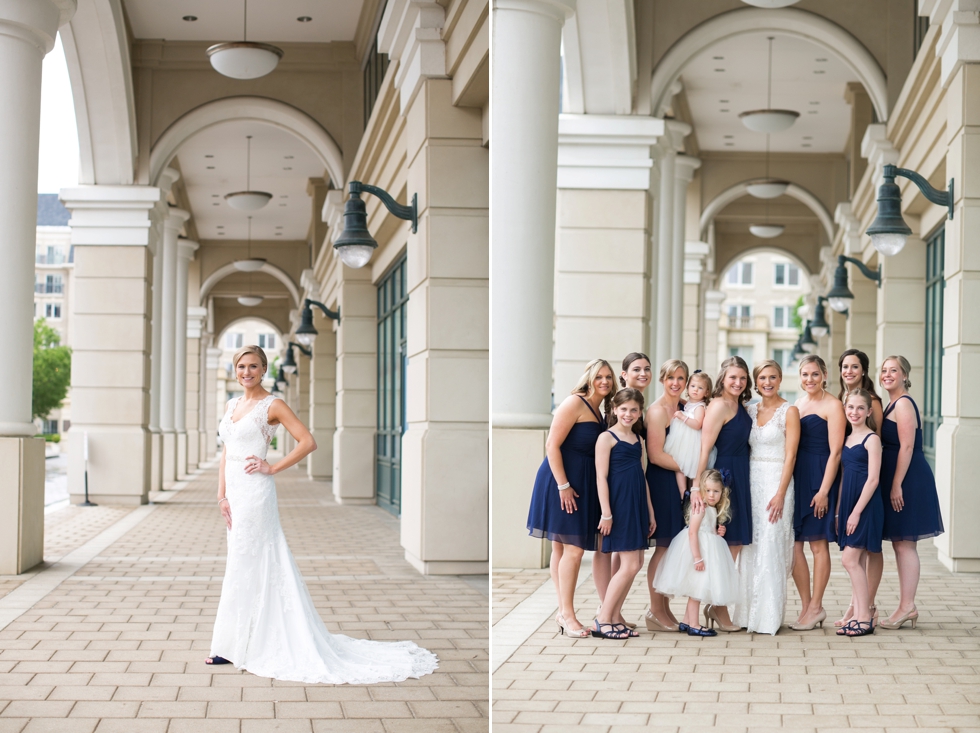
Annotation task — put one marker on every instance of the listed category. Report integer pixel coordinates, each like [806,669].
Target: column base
[193,449]
[169,463]
[156,461]
[118,465]
[22,496]
[354,501]
[517,455]
[447,567]
[107,499]
[181,456]
[960,564]
[353,470]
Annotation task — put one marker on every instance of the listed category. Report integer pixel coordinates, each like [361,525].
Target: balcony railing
[49,288]
[744,323]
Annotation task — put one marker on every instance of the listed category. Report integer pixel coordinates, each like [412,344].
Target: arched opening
[268,270]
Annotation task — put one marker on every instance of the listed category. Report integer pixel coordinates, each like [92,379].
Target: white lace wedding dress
[266,622]
[765,566]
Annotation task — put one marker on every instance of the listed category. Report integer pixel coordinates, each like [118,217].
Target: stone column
[664,265]
[712,312]
[185,253]
[323,398]
[902,310]
[684,167]
[526,52]
[196,317]
[167,180]
[302,380]
[957,457]
[604,204]
[168,344]
[113,234]
[212,412]
[27,33]
[862,318]
[694,257]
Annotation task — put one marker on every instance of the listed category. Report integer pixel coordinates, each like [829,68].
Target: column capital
[694,255]
[36,21]
[850,227]
[213,357]
[684,167]
[712,304]
[411,34]
[111,215]
[175,218]
[959,39]
[606,151]
[186,248]
[196,317]
[878,149]
[675,133]
[311,286]
[559,10]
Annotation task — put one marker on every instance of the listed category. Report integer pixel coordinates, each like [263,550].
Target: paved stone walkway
[922,679]
[119,645]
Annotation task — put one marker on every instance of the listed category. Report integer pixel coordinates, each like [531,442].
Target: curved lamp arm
[941,198]
[865,270]
[409,213]
[335,315]
[307,352]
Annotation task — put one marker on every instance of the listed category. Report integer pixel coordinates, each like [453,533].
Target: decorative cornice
[411,34]
[850,227]
[695,254]
[712,304]
[610,152]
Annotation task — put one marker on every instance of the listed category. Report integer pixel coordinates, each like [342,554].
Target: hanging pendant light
[767,230]
[248,200]
[768,187]
[769,120]
[244,59]
[771,3]
[250,264]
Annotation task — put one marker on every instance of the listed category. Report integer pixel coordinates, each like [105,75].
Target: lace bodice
[768,442]
[251,435]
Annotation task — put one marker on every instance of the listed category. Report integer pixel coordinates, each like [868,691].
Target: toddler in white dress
[698,563]
[683,442]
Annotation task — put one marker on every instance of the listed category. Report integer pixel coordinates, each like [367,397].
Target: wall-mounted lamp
[289,363]
[840,295]
[281,382]
[307,333]
[819,325]
[355,245]
[889,231]
[807,342]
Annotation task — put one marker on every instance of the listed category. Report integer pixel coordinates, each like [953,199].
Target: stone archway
[225,270]
[787,21]
[716,205]
[258,109]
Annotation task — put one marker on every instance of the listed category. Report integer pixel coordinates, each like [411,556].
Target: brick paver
[120,644]
[928,678]
[510,587]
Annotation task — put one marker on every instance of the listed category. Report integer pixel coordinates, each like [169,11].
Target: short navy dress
[867,536]
[668,507]
[920,518]
[733,454]
[812,456]
[546,518]
[627,498]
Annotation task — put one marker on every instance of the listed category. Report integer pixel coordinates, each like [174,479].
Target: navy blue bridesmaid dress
[812,456]
[546,518]
[627,498]
[668,508]
[733,454]
[867,536]
[920,518]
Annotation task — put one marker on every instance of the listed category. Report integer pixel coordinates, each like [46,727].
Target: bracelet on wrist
[698,559]
[605,518]
[223,498]
[566,485]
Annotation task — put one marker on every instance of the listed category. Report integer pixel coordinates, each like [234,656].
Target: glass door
[932,415]
[392,362]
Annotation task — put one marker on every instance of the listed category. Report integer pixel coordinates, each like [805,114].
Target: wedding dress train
[765,566]
[266,621]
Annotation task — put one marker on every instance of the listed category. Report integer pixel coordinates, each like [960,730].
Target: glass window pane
[780,274]
[794,275]
[746,273]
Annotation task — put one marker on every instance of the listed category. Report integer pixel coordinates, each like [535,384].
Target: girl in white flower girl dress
[698,563]
[683,442]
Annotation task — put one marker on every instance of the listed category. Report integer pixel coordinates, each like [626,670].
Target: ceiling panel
[731,77]
[213,163]
[222,20]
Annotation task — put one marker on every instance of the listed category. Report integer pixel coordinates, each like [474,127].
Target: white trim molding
[611,152]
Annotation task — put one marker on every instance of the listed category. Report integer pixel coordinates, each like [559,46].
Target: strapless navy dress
[920,518]
[733,454]
[867,536]
[627,498]
[668,508]
[546,518]
[812,456]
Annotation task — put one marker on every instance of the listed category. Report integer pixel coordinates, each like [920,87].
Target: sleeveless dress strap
[866,438]
[918,421]
[591,409]
[615,437]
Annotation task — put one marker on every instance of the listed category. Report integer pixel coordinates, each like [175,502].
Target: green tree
[796,318]
[52,370]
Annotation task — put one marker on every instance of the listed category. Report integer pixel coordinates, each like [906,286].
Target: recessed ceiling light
[278,234]
[812,112]
[808,137]
[279,227]
[304,19]
[221,234]
[719,69]
[289,157]
[208,156]
[722,101]
[282,204]
[210,167]
[724,110]
[215,196]
[287,168]
[718,58]
[190,18]
[806,145]
[221,226]
[730,145]
[216,204]
[729,137]
[819,71]
[284,197]
[820,61]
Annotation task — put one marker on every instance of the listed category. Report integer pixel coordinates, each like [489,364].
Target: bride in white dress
[266,621]
[766,565]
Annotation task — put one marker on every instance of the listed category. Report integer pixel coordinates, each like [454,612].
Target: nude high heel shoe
[711,618]
[654,624]
[817,621]
[912,616]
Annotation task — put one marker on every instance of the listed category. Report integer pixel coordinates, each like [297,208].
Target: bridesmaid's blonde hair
[903,364]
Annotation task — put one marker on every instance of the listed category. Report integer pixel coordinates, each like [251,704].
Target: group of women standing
[827,469]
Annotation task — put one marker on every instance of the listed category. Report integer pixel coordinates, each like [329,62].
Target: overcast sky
[58,156]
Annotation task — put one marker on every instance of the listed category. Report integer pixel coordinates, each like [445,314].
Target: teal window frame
[392,293]
[932,413]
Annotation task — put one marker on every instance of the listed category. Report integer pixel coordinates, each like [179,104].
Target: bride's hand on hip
[225,506]
[775,508]
[254,464]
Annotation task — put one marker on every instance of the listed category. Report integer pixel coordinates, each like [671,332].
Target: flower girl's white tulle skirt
[717,584]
